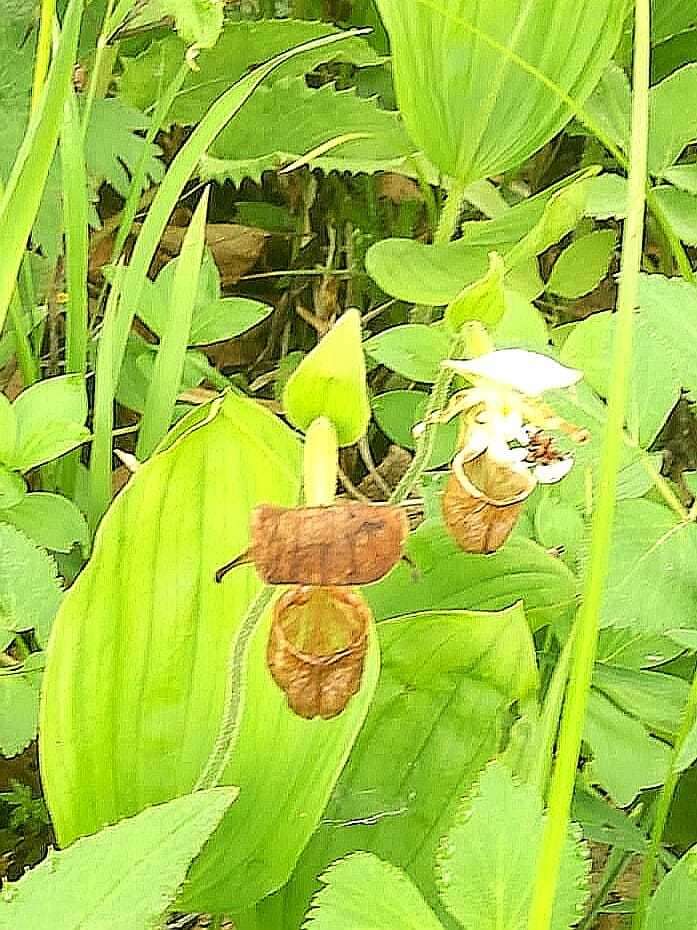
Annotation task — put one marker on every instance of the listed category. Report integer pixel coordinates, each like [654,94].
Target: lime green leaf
[488,859]
[680,208]
[521,326]
[283,122]
[447,578]
[197,21]
[673,117]
[653,570]
[12,488]
[8,429]
[625,757]
[652,697]
[30,592]
[50,418]
[330,382]
[582,266]
[19,716]
[397,412]
[484,300]
[364,891]
[625,647]
[674,902]
[476,110]
[414,350]
[610,105]
[124,877]
[684,177]
[447,682]
[670,17]
[138,366]
[607,197]
[50,520]
[241,45]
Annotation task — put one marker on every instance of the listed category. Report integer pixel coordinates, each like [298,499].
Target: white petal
[555,471]
[478,439]
[527,372]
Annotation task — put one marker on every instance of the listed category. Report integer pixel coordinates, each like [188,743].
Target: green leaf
[656,699]
[240,46]
[138,664]
[521,326]
[582,266]
[447,681]
[113,150]
[607,197]
[653,570]
[472,108]
[50,520]
[670,17]
[8,429]
[414,350]
[198,22]
[284,121]
[19,717]
[12,488]
[610,105]
[680,208]
[447,578]
[673,124]
[330,382]
[124,877]
[674,902]
[137,370]
[22,195]
[169,361]
[488,859]
[626,758]
[484,300]
[30,592]
[363,891]
[684,177]
[50,419]
[397,412]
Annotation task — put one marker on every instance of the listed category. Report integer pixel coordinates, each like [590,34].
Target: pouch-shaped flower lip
[529,373]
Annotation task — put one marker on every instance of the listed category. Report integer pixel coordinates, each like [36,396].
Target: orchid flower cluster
[504,451]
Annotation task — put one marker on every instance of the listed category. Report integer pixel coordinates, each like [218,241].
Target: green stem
[28,365]
[43,50]
[219,758]
[585,646]
[320,463]
[663,808]
[96,78]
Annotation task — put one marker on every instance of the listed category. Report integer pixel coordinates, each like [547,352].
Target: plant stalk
[43,50]
[585,647]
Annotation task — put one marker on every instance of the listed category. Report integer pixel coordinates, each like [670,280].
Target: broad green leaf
[8,429]
[521,326]
[171,354]
[626,758]
[625,647]
[125,876]
[674,903]
[602,822]
[447,681]
[473,82]
[241,45]
[610,105]
[559,524]
[444,578]
[19,716]
[12,488]
[414,350]
[264,138]
[22,195]
[656,699]
[30,591]
[684,177]
[50,418]
[198,22]
[652,578]
[364,891]
[673,125]
[488,859]
[397,412]
[670,17]
[330,382]
[607,197]
[146,617]
[138,365]
[680,208]
[582,266]
[50,520]
[484,300]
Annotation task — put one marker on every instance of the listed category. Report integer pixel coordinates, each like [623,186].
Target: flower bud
[317,647]
[483,500]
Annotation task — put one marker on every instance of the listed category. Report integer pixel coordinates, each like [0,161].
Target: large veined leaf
[446,683]
[444,577]
[241,45]
[138,662]
[284,121]
[124,877]
[197,21]
[30,591]
[364,891]
[473,79]
[488,860]
[673,117]
[674,904]
[671,16]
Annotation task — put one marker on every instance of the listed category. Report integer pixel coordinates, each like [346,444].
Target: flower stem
[663,807]
[585,646]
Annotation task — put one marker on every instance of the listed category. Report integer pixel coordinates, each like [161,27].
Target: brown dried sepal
[344,544]
[317,647]
[482,502]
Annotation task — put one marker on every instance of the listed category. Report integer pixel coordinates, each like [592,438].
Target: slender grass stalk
[43,49]
[585,647]
[665,799]
[96,77]
[26,360]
